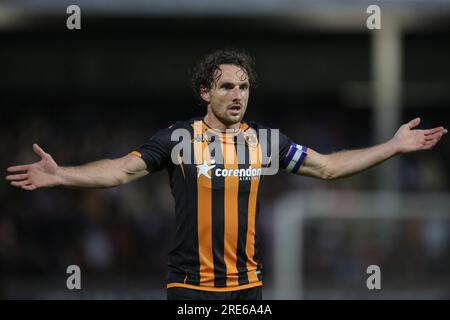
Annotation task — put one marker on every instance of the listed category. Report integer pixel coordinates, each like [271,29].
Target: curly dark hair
[203,74]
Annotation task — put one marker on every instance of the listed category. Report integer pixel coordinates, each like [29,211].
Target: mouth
[235,109]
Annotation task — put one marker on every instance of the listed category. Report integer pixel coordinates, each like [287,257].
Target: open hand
[407,139]
[37,175]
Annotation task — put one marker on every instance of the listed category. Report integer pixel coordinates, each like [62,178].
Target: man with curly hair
[215,180]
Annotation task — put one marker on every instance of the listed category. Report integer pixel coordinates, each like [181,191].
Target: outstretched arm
[99,174]
[346,163]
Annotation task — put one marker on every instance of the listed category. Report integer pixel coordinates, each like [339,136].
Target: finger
[20,183]
[18,168]
[427,146]
[16,177]
[434,130]
[434,136]
[29,187]
[413,123]
[38,150]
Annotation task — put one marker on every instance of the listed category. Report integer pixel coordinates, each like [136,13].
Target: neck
[215,123]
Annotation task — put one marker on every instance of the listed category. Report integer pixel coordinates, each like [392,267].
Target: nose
[237,95]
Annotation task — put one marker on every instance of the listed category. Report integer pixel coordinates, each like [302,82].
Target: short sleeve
[156,151]
[292,155]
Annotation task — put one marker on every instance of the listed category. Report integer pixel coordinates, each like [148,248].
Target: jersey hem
[214,289]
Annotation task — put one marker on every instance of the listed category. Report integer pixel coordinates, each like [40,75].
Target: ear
[204,93]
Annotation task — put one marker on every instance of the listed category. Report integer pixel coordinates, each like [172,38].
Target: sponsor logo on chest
[243,174]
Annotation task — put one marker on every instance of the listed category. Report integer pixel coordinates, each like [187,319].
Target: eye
[228,86]
[244,86]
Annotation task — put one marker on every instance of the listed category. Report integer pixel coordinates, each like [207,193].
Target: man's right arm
[98,174]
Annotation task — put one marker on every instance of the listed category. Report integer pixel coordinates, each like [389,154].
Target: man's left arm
[347,163]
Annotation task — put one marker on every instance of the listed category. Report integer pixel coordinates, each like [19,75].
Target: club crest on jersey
[251,140]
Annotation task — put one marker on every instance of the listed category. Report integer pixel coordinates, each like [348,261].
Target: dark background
[101,91]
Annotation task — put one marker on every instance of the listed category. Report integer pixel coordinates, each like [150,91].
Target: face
[227,99]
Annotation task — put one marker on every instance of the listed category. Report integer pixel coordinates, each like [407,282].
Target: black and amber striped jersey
[215,181]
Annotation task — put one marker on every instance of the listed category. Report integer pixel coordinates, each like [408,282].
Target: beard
[227,118]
